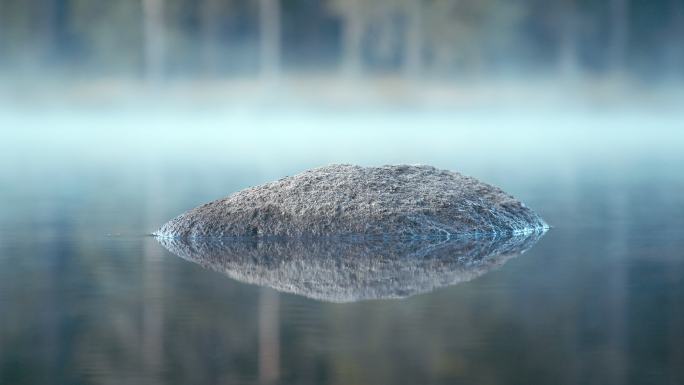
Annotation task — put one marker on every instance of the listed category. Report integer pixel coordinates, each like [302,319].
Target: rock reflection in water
[349,270]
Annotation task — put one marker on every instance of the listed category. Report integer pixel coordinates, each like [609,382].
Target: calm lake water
[87,297]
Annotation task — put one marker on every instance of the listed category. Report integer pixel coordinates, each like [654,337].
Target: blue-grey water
[86,297]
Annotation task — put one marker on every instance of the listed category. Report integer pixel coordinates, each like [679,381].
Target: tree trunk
[210,12]
[675,59]
[413,54]
[269,28]
[154,40]
[568,61]
[619,28]
[352,35]
[56,30]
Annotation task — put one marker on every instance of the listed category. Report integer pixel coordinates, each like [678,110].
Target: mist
[341,54]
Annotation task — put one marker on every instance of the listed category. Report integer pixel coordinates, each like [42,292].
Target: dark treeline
[171,38]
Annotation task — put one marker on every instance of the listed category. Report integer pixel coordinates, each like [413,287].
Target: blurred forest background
[232,45]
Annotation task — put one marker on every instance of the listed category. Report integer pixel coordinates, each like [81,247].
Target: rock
[344,200]
[345,270]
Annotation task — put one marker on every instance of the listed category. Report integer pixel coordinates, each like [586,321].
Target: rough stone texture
[343,270]
[339,200]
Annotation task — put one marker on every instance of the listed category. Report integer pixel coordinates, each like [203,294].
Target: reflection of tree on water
[152,330]
[269,336]
[152,312]
[348,270]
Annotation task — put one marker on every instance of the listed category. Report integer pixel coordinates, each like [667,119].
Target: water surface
[87,297]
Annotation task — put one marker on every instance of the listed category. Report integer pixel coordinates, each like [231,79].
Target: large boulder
[345,200]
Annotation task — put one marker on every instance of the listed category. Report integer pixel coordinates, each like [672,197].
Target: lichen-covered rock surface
[345,200]
[344,270]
